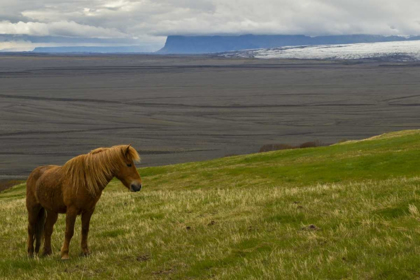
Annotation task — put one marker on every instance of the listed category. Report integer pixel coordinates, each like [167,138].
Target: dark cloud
[149,22]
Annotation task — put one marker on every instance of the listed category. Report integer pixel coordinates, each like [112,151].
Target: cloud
[16,46]
[59,28]
[308,17]
[149,22]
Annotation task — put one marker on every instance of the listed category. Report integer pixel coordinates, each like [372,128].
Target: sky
[26,24]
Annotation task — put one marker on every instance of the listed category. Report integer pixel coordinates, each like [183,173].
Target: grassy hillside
[346,211]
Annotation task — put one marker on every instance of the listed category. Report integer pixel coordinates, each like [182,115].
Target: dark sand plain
[178,109]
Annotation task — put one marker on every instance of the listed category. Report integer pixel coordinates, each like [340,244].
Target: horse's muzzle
[135,187]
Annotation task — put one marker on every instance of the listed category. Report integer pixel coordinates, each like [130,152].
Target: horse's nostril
[135,187]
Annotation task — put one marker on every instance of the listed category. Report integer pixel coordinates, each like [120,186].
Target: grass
[5,184]
[348,211]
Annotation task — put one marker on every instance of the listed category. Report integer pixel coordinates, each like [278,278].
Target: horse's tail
[39,229]
[32,204]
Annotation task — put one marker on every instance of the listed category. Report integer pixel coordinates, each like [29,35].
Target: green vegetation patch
[349,211]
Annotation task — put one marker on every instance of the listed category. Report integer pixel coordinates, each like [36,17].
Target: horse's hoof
[84,253]
[46,253]
[65,258]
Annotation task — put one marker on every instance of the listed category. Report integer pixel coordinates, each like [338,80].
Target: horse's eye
[129,164]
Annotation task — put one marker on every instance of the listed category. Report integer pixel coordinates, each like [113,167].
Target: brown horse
[74,189]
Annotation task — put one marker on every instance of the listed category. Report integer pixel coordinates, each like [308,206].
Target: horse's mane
[94,169]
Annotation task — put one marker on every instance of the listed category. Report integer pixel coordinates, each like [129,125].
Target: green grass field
[348,211]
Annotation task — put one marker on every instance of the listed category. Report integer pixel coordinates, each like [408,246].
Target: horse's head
[127,172]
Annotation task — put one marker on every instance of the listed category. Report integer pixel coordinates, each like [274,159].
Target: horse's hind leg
[33,213]
[31,233]
[48,230]
[39,229]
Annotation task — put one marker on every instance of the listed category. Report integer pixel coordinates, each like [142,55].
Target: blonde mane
[93,170]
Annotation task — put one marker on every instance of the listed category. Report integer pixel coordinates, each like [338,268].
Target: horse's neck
[102,186]
[108,179]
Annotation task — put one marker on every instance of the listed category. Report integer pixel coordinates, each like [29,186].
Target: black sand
[178,109]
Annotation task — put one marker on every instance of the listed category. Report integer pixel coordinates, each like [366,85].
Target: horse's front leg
[70,219]
[85,231]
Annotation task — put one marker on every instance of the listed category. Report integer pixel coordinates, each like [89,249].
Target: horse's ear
[127,151]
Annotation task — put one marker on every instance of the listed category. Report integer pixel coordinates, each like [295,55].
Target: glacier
[401,51]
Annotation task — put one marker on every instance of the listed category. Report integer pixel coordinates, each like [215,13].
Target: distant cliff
[87,49]
[215,44]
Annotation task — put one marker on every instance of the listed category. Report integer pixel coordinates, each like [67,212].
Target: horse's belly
[50,199]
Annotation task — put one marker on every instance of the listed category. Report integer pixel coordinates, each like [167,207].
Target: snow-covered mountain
[399,51]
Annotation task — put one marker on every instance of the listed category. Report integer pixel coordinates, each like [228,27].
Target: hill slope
[346,211]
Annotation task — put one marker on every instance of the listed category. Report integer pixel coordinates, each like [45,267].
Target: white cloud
[59,28]
[152,20]
[16,46]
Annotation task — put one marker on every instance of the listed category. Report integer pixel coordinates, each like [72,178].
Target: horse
[74,189]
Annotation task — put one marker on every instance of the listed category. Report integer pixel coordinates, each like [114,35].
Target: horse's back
[36,174]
